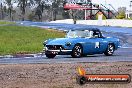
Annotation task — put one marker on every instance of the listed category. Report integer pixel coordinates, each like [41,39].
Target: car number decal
[97,44]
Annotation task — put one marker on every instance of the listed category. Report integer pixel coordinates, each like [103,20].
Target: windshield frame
[79,34]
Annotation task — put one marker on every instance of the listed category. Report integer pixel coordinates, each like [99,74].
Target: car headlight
[68,43]
[45,42]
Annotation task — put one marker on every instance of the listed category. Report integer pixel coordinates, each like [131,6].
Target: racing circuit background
[122,54]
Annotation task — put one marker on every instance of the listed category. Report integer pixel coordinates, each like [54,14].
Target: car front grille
[54,47]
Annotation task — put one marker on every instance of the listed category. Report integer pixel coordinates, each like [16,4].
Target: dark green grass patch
[19,39]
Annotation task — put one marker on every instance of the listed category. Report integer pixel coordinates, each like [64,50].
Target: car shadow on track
[87,56]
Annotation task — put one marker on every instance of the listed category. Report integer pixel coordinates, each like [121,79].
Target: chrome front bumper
[60,50]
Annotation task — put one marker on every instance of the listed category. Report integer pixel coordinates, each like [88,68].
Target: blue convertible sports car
[80,43]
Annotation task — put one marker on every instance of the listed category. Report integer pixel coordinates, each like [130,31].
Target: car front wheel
[110,50]
[50,55]
[77,51]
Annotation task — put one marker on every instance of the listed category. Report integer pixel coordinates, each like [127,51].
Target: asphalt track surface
[120,55]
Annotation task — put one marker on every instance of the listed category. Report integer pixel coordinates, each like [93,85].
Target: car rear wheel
[50,55]
[110,50]
[77,51]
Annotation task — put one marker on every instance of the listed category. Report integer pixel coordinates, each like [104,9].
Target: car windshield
[79,34]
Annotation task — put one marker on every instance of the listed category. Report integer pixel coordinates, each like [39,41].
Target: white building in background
[128,14]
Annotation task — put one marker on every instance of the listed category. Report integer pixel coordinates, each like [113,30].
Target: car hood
[62,41]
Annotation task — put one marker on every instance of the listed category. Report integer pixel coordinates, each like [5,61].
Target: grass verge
[19,39]
[6,22]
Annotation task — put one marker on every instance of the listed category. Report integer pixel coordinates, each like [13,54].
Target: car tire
[77,51]
[110,50]
[50,55]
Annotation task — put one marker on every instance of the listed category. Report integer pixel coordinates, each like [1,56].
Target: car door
[98,43]
[93,45]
